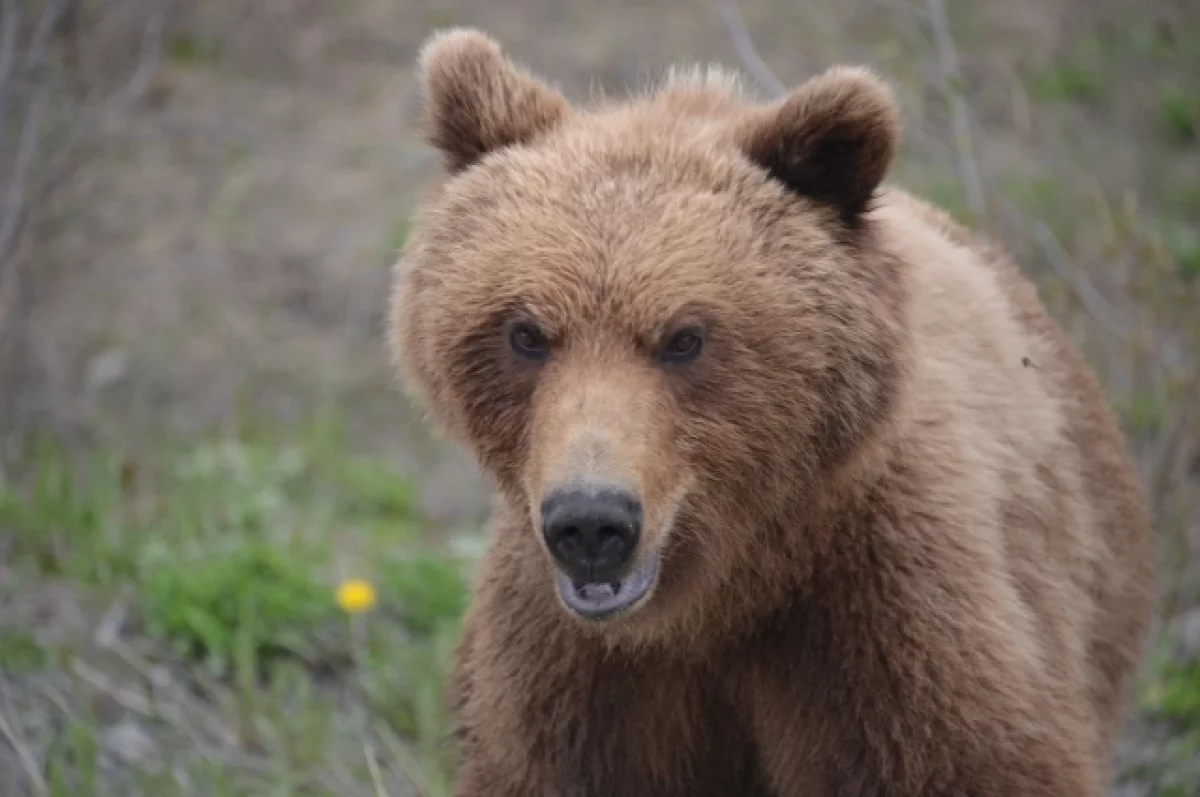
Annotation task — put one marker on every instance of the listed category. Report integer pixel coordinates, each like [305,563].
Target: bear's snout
[592,533]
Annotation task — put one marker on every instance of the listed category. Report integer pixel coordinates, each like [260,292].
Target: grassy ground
[169,624]
[175,518]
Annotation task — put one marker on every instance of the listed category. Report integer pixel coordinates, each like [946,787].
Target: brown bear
[800,491]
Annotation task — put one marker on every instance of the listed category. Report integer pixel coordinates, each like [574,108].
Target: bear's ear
[477,101]
[832,139]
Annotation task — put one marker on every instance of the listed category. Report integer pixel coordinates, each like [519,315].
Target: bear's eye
[528,342]
[682,347]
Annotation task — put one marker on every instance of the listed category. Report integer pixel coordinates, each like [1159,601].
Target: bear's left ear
[832,139]
[477,101]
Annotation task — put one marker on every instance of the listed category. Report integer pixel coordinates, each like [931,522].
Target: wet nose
[592,534]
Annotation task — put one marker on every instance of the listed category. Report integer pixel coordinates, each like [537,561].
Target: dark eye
[528,342]
[682,347]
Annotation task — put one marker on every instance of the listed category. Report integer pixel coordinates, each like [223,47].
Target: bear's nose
[592,533]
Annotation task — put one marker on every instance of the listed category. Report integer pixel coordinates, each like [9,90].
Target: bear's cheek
[743,417]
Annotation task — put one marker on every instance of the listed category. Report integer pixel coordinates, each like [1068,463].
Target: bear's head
[663,325]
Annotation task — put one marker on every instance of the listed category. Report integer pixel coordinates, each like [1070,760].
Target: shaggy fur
[902,550]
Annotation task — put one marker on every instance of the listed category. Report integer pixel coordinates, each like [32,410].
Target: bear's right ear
[831,140]
[476,101]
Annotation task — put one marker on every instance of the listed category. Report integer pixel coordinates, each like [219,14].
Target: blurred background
[202,435]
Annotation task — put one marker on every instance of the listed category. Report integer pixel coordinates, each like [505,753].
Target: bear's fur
[902,551]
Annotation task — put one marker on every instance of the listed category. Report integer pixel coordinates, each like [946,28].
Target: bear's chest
[641,733]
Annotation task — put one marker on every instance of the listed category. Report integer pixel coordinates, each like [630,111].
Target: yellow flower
[355,596]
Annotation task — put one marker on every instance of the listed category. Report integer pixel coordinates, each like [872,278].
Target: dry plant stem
[24,81]
[13,213]
[54,13]
[14,207]
[148,61]
[10,26]
[373,768]
[29,140]
[29,764]
[1163,473]
[405,760]
[158,711]
[960,117]
[11,330]
[746,50]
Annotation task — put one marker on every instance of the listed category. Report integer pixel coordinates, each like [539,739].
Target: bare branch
[148,60]
[960,117]
[55,10]
[9,29]
[373,768]
[1162,471]
[746,50]
[29,764]
[26,152]
[1060,261]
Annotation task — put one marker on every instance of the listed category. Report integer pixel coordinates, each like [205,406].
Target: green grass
[1170,696]
[188,50]
[201,581]
[1068,83]
[1182,242]
[1179,113]
[1145,414]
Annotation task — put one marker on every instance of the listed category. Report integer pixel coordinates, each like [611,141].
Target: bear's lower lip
[603,601]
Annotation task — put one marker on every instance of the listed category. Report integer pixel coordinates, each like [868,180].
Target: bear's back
[1016,417]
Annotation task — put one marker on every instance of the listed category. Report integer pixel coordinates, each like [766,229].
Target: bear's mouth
[603,601]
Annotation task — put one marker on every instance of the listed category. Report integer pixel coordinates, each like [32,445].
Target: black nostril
[592,533]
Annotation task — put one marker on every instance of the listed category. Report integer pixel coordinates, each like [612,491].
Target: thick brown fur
[902,549]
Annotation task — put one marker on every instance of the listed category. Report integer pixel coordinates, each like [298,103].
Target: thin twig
[1166,458]
[108,630]
[179,694]
[960,117]
[138,704]
[1097,305]
[410,768]
[373,768]
[26,151]
[54,11]
[1094,302]
[1160,482]
[148,60]
[746,50]
[128,699]
[9,28]
[28,762]
[156,708]
[10,302]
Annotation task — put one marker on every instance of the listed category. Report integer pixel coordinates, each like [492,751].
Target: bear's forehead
[593,233]
[611,192]
[612,218]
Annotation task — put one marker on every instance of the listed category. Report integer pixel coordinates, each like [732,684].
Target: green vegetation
[190,50]
[1068,82]
[229,655]
[1170,696]
[1179,110]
